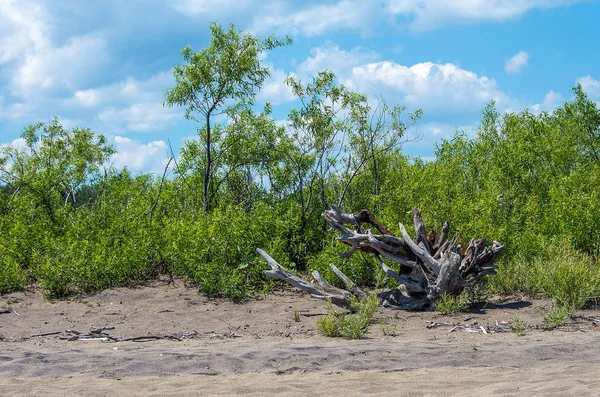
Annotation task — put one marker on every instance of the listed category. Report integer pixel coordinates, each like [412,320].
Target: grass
[388,329]
[557,316]
[450,304]
[560,272]
[518,326]
[349,326]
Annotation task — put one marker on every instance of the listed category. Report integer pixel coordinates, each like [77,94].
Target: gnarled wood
[430,265]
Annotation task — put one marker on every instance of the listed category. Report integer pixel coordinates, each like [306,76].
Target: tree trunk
[207,167]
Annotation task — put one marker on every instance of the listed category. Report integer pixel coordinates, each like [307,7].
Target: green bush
[349,326]
[218,251]
[560,272]
[12,277]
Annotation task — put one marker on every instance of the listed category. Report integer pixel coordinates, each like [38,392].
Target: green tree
[54,164]
[221,79]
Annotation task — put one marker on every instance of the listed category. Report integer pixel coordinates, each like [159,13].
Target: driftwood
[430,265]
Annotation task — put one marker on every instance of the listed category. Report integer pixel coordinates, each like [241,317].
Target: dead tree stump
[430,265]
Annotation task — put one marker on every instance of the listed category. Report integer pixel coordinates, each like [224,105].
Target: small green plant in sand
[518,326]
[449,304]
[296,316]
[388,329]
[557,316]
[349,326]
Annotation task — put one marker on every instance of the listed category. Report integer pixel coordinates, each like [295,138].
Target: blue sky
[106,64]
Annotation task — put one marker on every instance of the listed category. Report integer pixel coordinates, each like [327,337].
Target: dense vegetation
[72,224]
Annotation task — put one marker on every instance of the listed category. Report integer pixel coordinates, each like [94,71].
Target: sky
[105,65]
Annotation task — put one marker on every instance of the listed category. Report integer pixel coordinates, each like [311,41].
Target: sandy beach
[164,339]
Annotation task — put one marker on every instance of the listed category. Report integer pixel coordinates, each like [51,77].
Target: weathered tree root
[430,265]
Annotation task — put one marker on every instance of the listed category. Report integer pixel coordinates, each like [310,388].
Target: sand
[258,348]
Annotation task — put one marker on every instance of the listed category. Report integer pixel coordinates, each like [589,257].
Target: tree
[55,163]
[336,136]
[221,79]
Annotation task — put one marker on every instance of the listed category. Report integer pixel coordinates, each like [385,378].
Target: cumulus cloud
[590,86]
[275,90]
[430,86]
[329,56]
[425,15]
[315,18]
[551,100]
[18,143]
[516,63]
[62,69]
[139,117]
[209,7]
[132,104]
[138,156]
[23,29]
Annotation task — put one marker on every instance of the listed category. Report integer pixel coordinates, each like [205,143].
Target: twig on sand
[46,334]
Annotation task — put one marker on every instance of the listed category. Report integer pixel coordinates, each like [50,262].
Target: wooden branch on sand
[430,265]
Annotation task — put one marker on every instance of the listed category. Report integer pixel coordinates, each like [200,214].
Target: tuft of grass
[388,329]
[296,316]
[518,326]
[449,304]
[557,316]
[479,292]
[349,326]
[330,325]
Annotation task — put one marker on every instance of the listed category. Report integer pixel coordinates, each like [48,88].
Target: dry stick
[4,311]
[351,285]
[330,289]
[162,181]
[46,334]
[278,271]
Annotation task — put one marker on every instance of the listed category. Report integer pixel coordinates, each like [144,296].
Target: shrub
[349,326]
[12,277]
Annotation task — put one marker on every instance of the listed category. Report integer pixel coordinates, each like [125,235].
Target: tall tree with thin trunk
[221,79]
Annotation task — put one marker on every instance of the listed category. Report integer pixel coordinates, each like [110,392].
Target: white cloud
[330,57]
[590,86]
[61,69]
[209,7]
[551,100]
[432,87]
[87,98]
[516,63]
[326,57]
[138,156]
[140,117]
[18,143]
[23,29]
[130,104]
[275,90]
[311,18]
[432,14]
[314,19]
